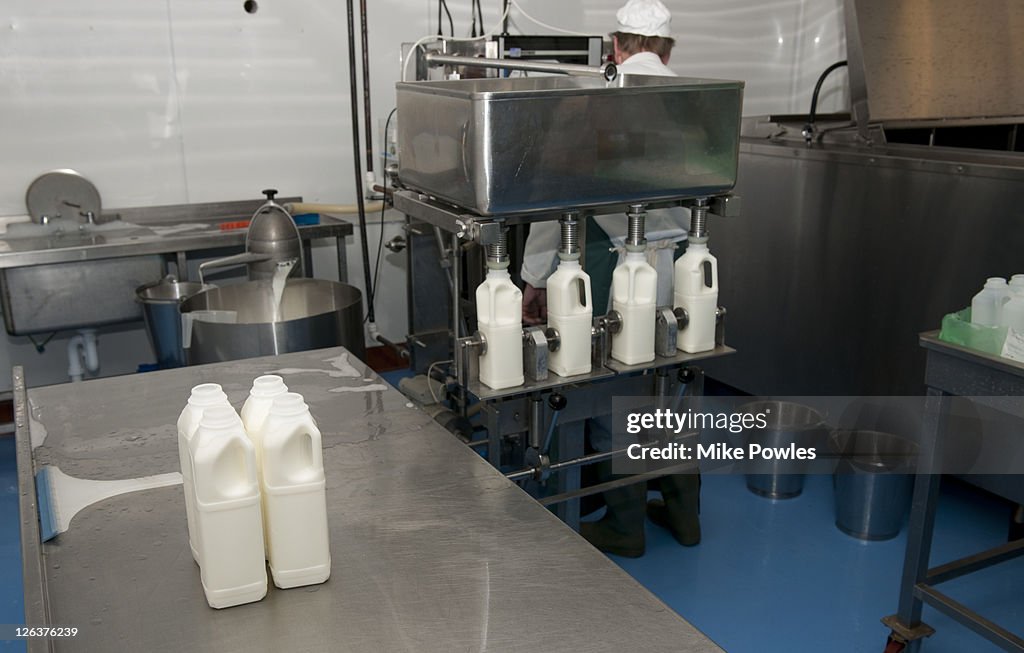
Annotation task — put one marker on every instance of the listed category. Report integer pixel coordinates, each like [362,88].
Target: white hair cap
[645,17]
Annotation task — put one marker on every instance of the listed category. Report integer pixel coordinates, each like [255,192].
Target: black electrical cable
[451,23]
[383,207]
[809,127]
[356,159]
[472,24]
[367,113]
[439,31]
[480,16]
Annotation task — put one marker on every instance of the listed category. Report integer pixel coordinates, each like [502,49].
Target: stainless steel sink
[60,296]
[55,277]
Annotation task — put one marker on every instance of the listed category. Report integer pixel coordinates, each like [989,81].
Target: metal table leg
[307,257]
[181,261]
[906,623]
[342,259]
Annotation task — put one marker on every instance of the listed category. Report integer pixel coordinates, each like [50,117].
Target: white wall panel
[89,85]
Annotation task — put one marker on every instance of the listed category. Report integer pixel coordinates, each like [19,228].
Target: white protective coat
[665,227]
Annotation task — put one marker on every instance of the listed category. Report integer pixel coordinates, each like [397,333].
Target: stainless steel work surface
[154,230]
[515,145]
[432,549]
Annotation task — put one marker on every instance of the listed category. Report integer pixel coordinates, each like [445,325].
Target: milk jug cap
[995,282]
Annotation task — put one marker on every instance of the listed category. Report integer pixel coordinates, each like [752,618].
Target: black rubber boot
[592,502]
[621,530]
[680,510]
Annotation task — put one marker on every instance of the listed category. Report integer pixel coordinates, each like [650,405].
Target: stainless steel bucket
[242,321]
[788,423]
[873,482]
[161,304]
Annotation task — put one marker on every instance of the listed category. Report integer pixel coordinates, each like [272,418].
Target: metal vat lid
[64,193]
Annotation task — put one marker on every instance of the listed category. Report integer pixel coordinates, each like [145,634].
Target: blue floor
[768,576]
[11,606]
[779,576]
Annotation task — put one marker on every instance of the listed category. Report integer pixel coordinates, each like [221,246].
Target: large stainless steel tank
[243,321]
[515,145]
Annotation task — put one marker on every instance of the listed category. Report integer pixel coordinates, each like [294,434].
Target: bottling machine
[483,157]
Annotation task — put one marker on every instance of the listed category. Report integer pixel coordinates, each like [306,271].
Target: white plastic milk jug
[257,406]
[499,306]
[294,494]
[203,396]
[986,305]
[1013,312]
[254,413]
[696,291]
[228,515]
[634,295]
[570,312]
[1015,286]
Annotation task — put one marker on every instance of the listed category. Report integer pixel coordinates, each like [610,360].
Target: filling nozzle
[569,250]
[699,221]
[497,253]
[636,237]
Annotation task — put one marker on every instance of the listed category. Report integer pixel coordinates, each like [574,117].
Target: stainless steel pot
[242,320]
[161,302]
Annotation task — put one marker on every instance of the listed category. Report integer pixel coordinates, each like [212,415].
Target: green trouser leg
[600,265]
[621,530]
[679,512]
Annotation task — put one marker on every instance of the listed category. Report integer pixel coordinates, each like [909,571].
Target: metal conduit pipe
[357,163]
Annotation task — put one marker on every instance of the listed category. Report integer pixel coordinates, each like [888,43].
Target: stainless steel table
[951,371]
[432,549]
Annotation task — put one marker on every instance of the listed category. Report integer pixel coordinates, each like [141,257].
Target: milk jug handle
[308,429]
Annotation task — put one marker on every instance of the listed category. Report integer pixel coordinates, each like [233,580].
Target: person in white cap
[641,45]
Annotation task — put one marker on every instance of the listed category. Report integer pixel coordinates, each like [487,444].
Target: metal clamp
[535,354]
[666,330]
[475,343]
[605,326]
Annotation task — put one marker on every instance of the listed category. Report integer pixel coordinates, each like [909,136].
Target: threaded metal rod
[497,253]
[570,246]
[699,219]
[636,234]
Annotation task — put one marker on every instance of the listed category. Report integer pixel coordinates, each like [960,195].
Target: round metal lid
[63,193]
